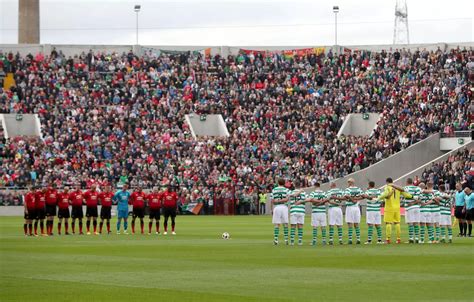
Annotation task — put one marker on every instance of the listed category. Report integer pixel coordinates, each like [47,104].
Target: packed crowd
[110,118]
[458,168]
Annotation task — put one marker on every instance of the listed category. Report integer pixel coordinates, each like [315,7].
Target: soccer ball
[225,235]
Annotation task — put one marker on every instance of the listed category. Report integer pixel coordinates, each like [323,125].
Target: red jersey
[30,200]
[137,199]
[105,199]
[51,197]
[170,199]
[63,200]
[40,200]
[154,201]
[92,198]
[77,198]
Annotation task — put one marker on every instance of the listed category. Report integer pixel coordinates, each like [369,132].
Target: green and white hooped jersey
[318,195]
[280,193]
[415,192]
[352,192]
[373,205]
[445,204]
[425,197]
[300,208]
[435,207]
[334,193]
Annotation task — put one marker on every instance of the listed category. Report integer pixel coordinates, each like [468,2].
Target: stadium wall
[355,124]
[71,50]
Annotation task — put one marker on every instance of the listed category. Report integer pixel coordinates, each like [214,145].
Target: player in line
[373,215]
[297,213]
[30,211]
[412,214]
[64,201]
[318,200]
[40,204]
[137,199]
[335,198]
[105,199]
[121,197]
[445,214]
[170,207]
[279,198]
[92,200]
[426,199]
[352,195]
[391,195]
[77,200]
[154,204]
[51,203]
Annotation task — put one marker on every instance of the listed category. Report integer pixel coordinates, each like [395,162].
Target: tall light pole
[335,9]
[137,8]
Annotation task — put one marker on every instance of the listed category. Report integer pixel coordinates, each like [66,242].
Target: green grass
[197,265]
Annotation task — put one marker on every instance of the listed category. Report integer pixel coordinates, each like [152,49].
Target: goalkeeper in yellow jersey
[391,195]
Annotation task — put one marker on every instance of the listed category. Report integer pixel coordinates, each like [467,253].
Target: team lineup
[428,212]
[42,204]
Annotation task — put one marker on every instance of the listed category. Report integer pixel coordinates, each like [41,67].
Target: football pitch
[197,265]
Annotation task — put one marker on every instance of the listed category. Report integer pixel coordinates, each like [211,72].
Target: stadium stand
[111,118]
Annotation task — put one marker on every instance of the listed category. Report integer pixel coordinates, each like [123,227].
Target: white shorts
[445,220]
[435,217]
[353,214]
[413,216]
[335,216]
[280,214]
[374,217]
[318,220]
[425,217]
[297,218]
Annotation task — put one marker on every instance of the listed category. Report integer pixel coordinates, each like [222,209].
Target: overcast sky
[240,22]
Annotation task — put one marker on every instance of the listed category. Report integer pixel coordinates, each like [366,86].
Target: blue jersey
[469,201]
[460,195]
[122,198]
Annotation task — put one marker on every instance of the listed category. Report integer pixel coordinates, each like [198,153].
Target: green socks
[292,235]
[285,232]
[411,231]
[315,235]
[379,232]
[370,232]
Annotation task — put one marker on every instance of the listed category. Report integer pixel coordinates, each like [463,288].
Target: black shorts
[138,212]
[105,212]
[470,214]
[77,212]
[63,213]
[50,210]
[40,213]
[167,212]
[91,212]
[155,214]
[458,212]
[31,214]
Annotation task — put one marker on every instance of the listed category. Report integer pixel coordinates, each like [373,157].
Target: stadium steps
[407,162]
[418,171]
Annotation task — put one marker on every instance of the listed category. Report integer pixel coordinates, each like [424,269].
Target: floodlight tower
[136,9]
[400,29]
